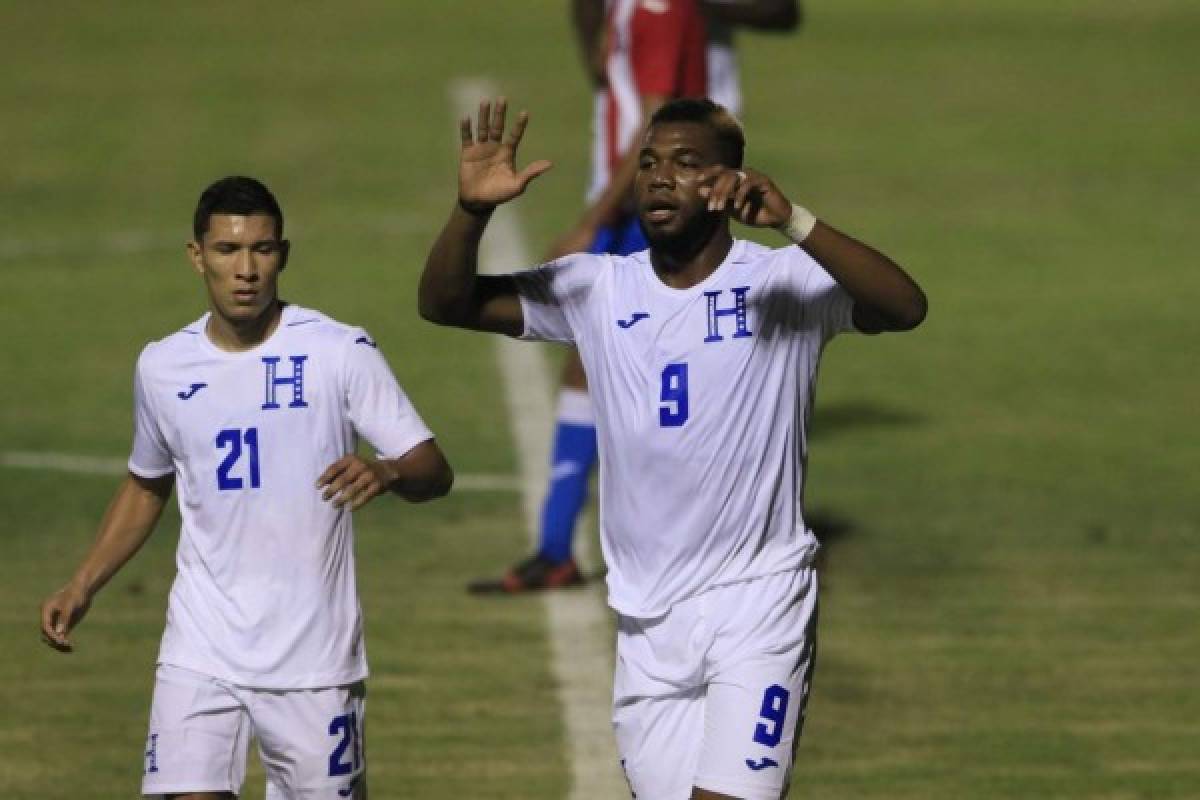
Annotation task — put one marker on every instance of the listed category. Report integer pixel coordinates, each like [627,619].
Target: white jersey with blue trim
[702,398]
[265,594]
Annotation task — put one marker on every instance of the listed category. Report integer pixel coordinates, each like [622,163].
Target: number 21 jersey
[265,594]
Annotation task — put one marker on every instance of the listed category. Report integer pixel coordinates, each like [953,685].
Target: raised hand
[748,196]
[487,174]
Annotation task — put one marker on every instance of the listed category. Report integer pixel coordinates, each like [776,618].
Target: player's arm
[451,291]
[587,17]
[885,297]
[763,15]
[608,207]
[128,522]
[420,474]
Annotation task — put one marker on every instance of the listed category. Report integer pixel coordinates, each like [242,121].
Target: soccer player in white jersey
[254,412]
[701,355]
[637,55]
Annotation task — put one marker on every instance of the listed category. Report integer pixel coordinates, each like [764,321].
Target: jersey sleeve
[553,295]
[150,457]
[665,42]
[377,407]
[828,308]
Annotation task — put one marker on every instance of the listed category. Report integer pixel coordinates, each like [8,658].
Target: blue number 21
[233,438]
[674,410]
[345,726]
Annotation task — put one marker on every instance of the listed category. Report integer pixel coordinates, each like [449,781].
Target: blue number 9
[674,411]
[774,711]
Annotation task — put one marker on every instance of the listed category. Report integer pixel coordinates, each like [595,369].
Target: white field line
[119,243]
[136,242]
[96,465]
[580,634]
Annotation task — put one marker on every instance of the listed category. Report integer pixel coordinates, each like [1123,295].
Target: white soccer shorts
[310,740]
[712,694]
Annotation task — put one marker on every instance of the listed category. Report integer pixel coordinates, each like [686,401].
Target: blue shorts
[620,239]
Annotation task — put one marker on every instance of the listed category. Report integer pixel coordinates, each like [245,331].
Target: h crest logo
[274,382]
[152,754]
[738,312]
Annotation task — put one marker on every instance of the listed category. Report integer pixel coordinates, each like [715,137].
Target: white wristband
[799,225]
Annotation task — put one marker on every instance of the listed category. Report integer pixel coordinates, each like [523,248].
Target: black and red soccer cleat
[534,574]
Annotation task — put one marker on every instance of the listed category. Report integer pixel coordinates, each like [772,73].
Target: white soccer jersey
[265,595]
[702,397]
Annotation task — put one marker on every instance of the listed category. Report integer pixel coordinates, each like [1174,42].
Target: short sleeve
[151,457]
[552,296]
[378,408]
[827,306]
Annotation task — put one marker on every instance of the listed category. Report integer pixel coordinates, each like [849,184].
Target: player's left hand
[748,196]
[353,481]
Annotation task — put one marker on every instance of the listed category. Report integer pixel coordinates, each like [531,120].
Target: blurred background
[1007,497]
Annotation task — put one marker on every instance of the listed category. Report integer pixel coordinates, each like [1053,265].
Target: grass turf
[1007,495]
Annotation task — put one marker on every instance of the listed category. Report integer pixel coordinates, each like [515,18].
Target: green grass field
[1009,495]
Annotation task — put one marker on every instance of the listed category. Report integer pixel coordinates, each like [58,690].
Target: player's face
[676,160]
[240,258]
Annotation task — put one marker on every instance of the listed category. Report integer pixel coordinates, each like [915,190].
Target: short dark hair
[235,194]
[705,112]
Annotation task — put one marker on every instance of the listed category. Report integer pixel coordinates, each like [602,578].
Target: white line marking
[580,634]
[119,243]
[96,465]
[137,242]
[63,462]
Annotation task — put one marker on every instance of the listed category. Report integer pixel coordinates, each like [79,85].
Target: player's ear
[285,249]
[195,256]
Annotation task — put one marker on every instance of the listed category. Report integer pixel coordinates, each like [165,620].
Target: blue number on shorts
[774,711]
[346,726]
[233,438]
[674,411]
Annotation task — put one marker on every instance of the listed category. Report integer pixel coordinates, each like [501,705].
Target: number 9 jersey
[702,397]
[265,594]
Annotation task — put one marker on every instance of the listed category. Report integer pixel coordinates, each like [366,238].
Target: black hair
[235,194]
[705,112]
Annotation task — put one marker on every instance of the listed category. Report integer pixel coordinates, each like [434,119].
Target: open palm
[487,174]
